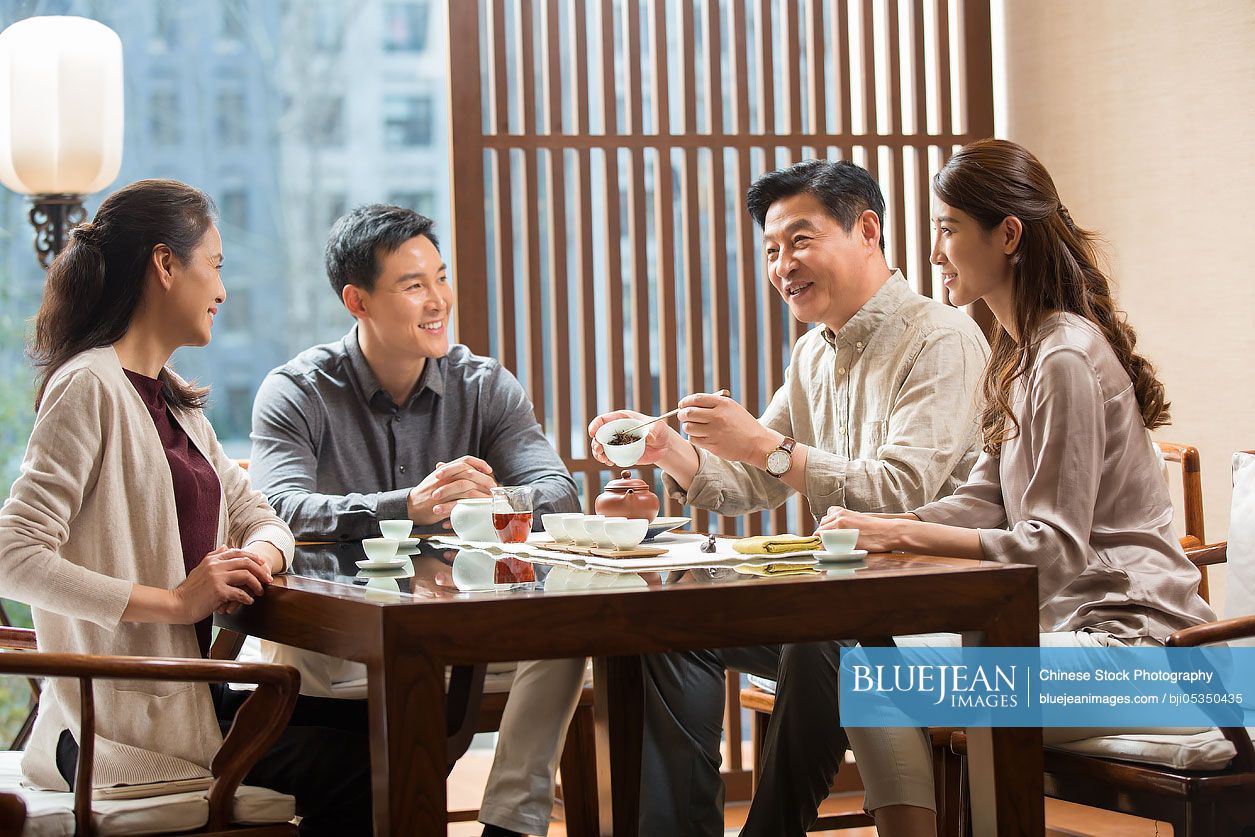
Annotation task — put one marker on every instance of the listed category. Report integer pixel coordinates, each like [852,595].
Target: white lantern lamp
[60,119]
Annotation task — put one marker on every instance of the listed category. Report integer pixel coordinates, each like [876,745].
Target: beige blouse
[91,514]
[888,407]
[1079,492]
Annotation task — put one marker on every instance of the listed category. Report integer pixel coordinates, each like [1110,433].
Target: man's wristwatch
[780,460]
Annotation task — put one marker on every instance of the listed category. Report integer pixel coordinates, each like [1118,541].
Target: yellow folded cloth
[777,544]
[775,569]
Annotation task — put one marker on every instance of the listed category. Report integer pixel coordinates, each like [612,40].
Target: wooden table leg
[619,707]
[1006,764]
[407,742]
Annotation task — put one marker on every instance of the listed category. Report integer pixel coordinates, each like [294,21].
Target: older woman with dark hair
[129,527]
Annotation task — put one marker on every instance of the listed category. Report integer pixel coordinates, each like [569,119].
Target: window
[164,125]
[165,25]
[232,118]
[233,22]
[424,203]
[233,208]
[337,206]
[405,27]
[407,121]
[325,122]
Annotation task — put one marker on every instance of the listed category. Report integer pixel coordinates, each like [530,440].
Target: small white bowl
[555,525]
[839,541]
[594,531]
[396,529]
[625,456]
[382,549]
[626,532]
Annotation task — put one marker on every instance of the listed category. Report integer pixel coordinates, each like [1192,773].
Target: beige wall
[1144,113]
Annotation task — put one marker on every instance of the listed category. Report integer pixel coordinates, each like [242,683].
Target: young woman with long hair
[1068,479]
[129,527]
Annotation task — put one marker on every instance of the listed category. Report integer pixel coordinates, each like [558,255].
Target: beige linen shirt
[1079,492]
[91,514]
[888,407]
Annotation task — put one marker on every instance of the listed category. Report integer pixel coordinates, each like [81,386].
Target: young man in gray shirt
[878,412]
[391,422]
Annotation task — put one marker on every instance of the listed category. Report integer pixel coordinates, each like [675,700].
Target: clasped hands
[432,500]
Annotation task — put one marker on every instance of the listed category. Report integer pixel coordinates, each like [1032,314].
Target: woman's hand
[224,580]
[876,532]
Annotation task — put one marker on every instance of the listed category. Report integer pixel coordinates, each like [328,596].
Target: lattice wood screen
[600,153]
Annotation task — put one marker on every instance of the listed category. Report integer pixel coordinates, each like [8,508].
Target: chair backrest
[1192,498]
[1240,599]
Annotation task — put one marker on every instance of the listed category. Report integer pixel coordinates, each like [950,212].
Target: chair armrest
[1239,627]
[1205,555]
[258,724]
[20,638]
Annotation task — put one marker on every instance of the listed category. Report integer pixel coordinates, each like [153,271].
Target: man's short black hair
[844,190]
[359,238]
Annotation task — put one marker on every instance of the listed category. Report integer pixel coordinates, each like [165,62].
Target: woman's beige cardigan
[91,514]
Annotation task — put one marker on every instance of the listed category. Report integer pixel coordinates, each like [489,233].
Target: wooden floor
[466,787]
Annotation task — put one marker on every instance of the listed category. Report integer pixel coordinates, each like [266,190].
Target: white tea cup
[382,549]
[839,541]
[626,532]
[396,529]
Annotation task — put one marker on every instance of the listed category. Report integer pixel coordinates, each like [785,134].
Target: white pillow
[1208,750]
[1240,600]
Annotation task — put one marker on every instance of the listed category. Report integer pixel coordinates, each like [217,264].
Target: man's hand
[432,500]
[659,438]
[717,424]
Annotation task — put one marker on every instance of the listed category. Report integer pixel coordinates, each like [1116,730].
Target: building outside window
[165,127]
[326,122]
[405,27]
[232,116]
[407,121]
[233,208]
[424,203]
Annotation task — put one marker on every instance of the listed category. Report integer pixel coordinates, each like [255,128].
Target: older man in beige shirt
[879,412]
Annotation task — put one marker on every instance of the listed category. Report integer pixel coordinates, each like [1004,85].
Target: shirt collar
[432,377]
[862,327]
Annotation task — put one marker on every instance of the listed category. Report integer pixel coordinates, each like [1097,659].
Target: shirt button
[859,345]
[843,430]
[396,418]
[841,371]
[403,469]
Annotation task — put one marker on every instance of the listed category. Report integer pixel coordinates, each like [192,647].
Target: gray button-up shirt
[335,455]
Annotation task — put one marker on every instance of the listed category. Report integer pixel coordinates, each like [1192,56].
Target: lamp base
[53,216]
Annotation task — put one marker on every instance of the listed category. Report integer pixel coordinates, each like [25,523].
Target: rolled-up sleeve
[734,488]
[931,422]
[1067,437]
[516,447]
[287,424]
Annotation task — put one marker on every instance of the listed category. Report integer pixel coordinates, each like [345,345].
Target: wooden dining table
[408,629]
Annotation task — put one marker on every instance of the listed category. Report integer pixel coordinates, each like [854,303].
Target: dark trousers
[682,792]
[322,759]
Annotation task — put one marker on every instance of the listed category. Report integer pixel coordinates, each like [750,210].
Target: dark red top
[197,492]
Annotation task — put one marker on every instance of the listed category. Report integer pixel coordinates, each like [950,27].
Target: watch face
[778,462]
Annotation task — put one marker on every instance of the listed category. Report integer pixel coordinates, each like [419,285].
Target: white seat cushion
[325,676]
[51,813]
[1207,750]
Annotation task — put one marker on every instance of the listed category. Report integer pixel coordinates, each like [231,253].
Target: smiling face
[195,291]
[407,313]
[812,261]
[975,263]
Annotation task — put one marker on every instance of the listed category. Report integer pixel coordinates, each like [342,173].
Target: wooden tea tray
[635,552]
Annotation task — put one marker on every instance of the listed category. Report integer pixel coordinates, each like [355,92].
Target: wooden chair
[12,815]
[1195,802]
[948,767]
[578,790]
[257,726]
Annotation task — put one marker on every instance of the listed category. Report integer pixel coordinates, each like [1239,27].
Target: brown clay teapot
[627,497]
